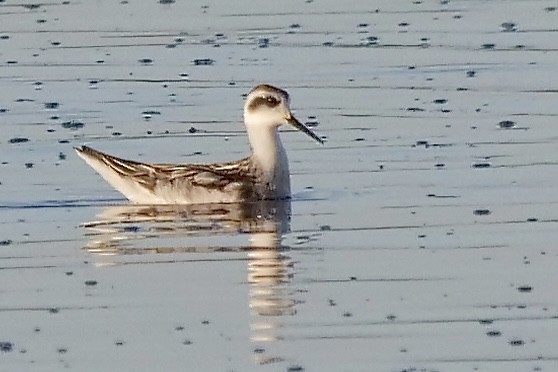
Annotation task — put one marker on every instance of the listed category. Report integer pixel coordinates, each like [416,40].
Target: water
[420,237]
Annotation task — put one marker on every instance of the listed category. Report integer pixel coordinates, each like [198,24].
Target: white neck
[267,148]
[270,158]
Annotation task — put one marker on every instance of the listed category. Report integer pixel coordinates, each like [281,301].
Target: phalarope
[264,175]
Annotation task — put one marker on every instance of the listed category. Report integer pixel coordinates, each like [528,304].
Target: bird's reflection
[134,229]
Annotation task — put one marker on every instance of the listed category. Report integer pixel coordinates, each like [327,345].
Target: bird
[263,175]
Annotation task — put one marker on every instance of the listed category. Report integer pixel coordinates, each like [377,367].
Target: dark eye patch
[268,101]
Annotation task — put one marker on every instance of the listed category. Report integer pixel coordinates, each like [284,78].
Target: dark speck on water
[145,61]
[517,342]
[18,140]
[481,212]
[73,124]
[493,333]
[5,242]
[6,347]
[295,368]
[51,105]
[151,112]
[90,283]
[481,165]
[508,27]
[525,288]
[506,124]
[29,165]
[203,61]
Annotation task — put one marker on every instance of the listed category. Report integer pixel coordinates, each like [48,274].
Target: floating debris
[263,42]
[508,27]
[203,62]
[488,46]
[51,105]
[93,84]
[145,61]
[29,165]
[73,124]
[151,112]
[525,288]
[18,140]
[471,73]
[295,368]
[506,124]
[493,333]
[517,342]
[5,242]
[312,122]
[369,41]
[481,165]
[6,347]
[90,283]
[482,212]
[440,101]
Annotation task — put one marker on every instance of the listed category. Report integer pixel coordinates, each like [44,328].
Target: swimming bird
[264,175]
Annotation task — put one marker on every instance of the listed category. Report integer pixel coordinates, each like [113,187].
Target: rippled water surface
[421,237]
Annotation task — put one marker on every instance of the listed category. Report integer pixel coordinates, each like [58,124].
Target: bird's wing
[150,176]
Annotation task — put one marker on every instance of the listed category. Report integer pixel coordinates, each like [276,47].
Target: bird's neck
[267,149]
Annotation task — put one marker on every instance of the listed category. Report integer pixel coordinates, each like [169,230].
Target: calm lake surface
[421,237]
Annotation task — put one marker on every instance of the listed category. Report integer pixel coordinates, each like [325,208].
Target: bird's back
[145,183]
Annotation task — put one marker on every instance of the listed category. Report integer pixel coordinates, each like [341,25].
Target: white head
[267,106]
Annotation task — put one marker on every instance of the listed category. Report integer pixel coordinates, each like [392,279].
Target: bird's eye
[271,101]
